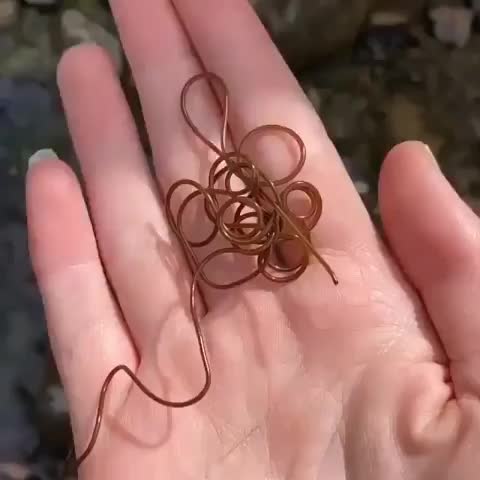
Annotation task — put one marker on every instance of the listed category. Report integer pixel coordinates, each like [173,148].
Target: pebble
[362,187]
[452,25]
[307,31]
[388,18]
[8,13]
[77,28]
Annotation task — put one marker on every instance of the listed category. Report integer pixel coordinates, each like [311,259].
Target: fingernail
[44,154]
[431,156]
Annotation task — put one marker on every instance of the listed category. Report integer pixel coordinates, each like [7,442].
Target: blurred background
[378,72]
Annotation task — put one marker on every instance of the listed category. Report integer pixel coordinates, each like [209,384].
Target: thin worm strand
[262,223]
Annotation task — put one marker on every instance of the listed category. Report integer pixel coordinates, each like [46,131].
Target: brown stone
[306,31]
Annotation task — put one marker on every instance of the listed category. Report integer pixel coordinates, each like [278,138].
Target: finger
[162,61]
[436,237]
[160,74]
[87,335]
[133,234]
[232,42]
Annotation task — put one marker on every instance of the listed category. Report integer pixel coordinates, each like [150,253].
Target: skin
[374,378]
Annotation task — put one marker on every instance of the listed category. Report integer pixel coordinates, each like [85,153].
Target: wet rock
[452,25]
[77,28]
[307,31]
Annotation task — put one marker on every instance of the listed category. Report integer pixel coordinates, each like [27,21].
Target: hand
[376,378]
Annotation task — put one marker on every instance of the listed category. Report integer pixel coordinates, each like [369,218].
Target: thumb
[436,238]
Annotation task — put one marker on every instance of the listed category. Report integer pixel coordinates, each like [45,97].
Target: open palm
[376,378]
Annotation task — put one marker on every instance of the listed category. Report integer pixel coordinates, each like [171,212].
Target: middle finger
[162,61]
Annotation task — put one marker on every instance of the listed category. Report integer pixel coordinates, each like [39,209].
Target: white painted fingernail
[432,156]
[44,154]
